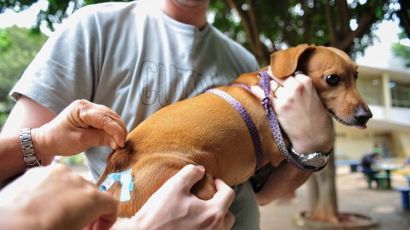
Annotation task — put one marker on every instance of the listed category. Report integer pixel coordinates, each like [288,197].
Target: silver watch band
[314,160]
[27,148]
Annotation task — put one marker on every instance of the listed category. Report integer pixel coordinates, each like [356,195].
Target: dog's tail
[118,160]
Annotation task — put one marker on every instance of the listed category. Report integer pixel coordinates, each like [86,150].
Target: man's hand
[53,197]
[78,127]
[303,117]
[301,113]
[173,206]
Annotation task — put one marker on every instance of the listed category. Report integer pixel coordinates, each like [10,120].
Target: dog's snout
[362,114]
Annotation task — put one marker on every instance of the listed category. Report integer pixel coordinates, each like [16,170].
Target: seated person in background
[407,161]
[368,162]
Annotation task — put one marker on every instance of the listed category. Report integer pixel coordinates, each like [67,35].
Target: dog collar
[309,161]
[126,181]
[248,121]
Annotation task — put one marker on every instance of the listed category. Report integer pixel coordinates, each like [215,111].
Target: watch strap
[27,148]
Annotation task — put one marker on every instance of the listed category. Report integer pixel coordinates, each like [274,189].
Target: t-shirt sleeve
[65,69]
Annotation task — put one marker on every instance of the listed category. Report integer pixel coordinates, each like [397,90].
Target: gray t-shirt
[134,59]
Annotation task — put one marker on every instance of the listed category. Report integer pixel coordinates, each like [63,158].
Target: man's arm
[284,179]
[78,127]
[25,114]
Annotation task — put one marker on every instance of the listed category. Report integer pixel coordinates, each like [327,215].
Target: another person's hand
[53,197]
[173,206]
[78,127]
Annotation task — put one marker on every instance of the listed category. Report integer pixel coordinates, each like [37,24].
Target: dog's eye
[332,79]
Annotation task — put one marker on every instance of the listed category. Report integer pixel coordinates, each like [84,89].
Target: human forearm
[11,162]
[11,155]
[25,114]
[283,180]
[78,127]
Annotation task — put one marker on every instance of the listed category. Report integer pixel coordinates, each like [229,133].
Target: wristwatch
[27,148]
[312,161]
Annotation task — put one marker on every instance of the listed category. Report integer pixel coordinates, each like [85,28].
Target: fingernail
[202,168]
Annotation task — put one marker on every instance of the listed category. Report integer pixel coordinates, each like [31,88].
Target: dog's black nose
[362,114]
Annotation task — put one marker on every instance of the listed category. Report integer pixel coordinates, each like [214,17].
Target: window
[371,90]
[400,93]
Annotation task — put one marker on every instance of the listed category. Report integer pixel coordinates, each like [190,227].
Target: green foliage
[16,5]
[402,51]
[78,159]
[291,22]
[17,48]
[5,41]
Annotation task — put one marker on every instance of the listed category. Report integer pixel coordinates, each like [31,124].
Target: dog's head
[334,76]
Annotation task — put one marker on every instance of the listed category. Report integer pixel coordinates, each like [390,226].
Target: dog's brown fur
[206,130]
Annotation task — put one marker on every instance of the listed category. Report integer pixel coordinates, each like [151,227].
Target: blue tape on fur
[126,181]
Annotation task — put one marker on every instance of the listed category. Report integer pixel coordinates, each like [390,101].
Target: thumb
[186,177]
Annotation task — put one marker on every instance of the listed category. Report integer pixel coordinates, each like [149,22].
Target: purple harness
[309,162]
[248,121]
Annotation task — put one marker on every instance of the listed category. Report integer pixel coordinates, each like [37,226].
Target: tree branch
[342,8]
[330,24]
[306,22]
[259,49]
[250,26]
[403,14]
[245,22]
[366,21]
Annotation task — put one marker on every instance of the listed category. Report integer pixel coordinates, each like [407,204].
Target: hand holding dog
[293,99]
[301,114]
[53,197]
[173,206]
[81,125]
[298,99]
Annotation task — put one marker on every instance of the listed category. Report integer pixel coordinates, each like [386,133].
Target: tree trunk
[322,194]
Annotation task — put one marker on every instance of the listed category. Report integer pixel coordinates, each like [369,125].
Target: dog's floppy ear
[284,62]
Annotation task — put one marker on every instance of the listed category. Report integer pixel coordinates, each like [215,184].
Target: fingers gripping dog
[211,130]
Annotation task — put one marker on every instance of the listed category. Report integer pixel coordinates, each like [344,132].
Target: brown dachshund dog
[206,130]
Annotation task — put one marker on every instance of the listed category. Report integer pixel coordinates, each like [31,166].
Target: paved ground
[383,206]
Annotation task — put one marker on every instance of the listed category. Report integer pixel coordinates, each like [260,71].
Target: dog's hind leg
[150,173]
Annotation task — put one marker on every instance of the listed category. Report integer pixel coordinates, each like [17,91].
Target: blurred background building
[384,81]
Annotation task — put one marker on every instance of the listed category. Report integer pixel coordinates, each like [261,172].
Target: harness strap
[248,121]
